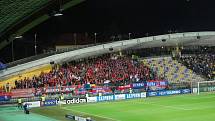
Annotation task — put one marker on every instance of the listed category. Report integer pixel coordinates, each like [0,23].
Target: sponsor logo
[173,92]
[168,92]
[50,102]
[138,85]
[76,100]
[210,89]
[91,99]
[32,104]
[143,94]
[152,93]
[131,96]
[105,98]
[184,91]
[120,97]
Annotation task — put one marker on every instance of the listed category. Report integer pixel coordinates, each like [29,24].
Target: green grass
[169,108]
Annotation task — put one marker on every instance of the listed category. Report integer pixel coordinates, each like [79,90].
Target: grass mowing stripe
[165,108]
[91,114]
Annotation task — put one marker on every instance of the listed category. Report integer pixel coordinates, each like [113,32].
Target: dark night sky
[121,17]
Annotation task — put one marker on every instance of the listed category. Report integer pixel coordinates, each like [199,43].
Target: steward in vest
[19,103]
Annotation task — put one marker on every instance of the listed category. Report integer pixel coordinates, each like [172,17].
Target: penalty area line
[91,114]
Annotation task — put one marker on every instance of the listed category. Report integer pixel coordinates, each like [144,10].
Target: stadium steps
[25,74]
[171,69]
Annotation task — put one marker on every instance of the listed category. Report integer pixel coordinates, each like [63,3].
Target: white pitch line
[91,114]
[166,106]
[173,107]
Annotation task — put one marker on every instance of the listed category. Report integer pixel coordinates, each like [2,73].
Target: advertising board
[5,98]
[120,97]
[50,102]
[105,98]
[91,99]
[132,95]
[168,92]
[76,100]
[143,94]
[138,85]
[32,104]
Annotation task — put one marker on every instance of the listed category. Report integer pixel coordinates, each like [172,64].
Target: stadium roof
[18,16]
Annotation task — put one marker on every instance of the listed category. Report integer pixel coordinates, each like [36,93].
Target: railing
[36,57]
[39,56]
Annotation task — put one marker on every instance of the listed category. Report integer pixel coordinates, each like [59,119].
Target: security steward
[19,103]
[43,99]
[61,98]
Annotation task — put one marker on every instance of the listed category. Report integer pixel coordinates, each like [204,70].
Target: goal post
[205,86]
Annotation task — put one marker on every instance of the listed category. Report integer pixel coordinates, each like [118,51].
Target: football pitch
[166,108]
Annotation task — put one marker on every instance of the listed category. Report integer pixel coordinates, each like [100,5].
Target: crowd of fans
[116,70]
[201,64]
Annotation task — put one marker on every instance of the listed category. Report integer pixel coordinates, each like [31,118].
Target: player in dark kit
[25,107]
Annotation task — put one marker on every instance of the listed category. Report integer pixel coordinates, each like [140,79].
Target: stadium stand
[171,70]
[23,75]
[97,72]
[202,64]
[121,70]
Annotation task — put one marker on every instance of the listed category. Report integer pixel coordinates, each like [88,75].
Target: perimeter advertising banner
[50,102]
[138,85]
[91,99]
[105,98]
[121,96]
[135,95]
[168,92]
[32,104]
[76,100]
[156,84]
[5,98]
[151,85]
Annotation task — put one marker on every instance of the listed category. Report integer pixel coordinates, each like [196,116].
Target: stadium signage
[124,87]
[76,100]
[168,92]
[105,98]
[138,85]
[5,98]
[133,95]
[210,89]
[50,102]
[91,99]
[32,104]
[143,94]
[120,97]
[185,91]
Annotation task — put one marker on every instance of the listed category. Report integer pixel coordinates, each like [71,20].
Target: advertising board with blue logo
[138,85]
[105,98]
[168,92]
[121,96]
[50,102]
[151,85]
[135,95]
[5,98]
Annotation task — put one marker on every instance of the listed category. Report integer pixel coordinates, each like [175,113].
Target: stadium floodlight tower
[206,86]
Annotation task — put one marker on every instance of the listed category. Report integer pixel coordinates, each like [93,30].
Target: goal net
[206,86]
